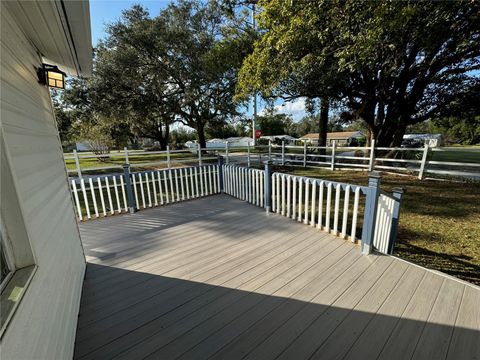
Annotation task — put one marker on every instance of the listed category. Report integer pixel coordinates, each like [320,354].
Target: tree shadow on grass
[455,265]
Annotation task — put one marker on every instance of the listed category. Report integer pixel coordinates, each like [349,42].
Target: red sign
[258,133]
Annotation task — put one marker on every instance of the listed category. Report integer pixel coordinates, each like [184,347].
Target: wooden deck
[217,278]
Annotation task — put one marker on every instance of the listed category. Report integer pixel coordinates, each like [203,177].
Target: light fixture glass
[52,76]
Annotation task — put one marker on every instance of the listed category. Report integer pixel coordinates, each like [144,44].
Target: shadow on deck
[217,278]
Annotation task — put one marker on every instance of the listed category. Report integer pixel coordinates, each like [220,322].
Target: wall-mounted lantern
[51,76]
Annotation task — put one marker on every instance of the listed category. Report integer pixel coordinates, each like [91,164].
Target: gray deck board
[217,278]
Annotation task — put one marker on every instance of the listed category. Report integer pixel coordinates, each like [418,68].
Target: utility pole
[254,121]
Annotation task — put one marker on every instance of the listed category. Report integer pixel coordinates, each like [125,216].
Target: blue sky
[103,12]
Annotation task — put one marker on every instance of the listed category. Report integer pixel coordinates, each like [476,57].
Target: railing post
[77,164]
[332,165]
[269,150]
[372,155]
[248,154]
[129,187]
[226,152]
[199,151]
[283,152]
[305,154]
[424,162]
[125,149]
[220,173]
[268,186]
[397,194]
[168,157]
[370,215]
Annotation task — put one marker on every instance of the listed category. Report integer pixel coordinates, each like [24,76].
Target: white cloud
[294,108]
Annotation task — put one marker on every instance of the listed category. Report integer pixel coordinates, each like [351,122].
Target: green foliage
[180,66]
[79,118]
[275,124]
[459,122]
[455,130]
[223,130]
[390,63]
[306,125]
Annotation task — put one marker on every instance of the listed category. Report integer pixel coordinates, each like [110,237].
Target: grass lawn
[134,159]
[439,220]
[456,154]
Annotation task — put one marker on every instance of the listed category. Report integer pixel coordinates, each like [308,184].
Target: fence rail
[406,160]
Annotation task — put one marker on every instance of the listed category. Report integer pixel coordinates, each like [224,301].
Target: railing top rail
[173,168]
[384,193]
[364,189]
[241,167]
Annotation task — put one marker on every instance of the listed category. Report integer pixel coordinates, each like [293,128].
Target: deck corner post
[269,150]
[268,186]
[129,187]
[220,173]
[370,216]
[397,195]
[283,152]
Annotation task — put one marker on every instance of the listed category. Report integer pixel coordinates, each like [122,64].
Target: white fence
[108,195]
[344,210]
[327,205]
[244,183]
[405,160]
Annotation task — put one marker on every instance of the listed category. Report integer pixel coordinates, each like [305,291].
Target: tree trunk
[163,137]
[323,123]
[201,134]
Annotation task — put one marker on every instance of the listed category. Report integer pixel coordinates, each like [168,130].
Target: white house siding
[43,327]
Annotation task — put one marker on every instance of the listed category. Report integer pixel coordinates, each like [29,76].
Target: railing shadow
[169,317]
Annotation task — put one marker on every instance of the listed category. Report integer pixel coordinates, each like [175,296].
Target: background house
[289,140]
[432,140]
[43,264]
[233,142]
[342,138]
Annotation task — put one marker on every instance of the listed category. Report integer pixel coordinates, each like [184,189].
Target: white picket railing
[166,186]
[330,206]
[99,196]
[344,210]
[244,183]
[107,195]
[383,223]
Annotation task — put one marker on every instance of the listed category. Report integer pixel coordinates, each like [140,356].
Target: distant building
[342,138]
[220,143]
[279,138]
[432,140]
